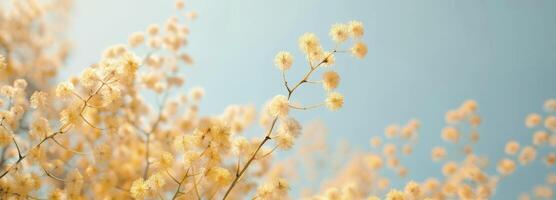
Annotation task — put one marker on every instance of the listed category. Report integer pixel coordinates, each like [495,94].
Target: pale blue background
[425,57]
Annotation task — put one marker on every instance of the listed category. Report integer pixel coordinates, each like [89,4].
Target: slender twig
[267,136]
[306,107]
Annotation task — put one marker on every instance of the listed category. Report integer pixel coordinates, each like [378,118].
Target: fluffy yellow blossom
[180,4]
[290,126]
[449,168]
[359,50]
[334,101]
[356,29]
[64,90]
[71,115]
[40,128]
[550,123]
[155,183]
[375,142]
[540,137]
[330,80]
[57,194]
[279,106]
[309,42]
[166,160]
[550,105]
[196,93]
[74,182]
[283,60]
[284,141]
[395,195]
[413,189]
[438,153]
[506,166]
[130,64]
[450,134]
[527,155]
[153,29]
[374,161]
[38,99]
[139,189]
[219,176]
[136,39]
[339,33]
[512,147]
[533,120]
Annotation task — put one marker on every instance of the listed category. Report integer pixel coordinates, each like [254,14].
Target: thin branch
[267,137]
[306,107]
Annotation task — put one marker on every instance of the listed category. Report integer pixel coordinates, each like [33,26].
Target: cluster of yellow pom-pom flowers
[97,135]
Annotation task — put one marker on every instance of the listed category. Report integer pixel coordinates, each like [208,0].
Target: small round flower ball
[395,195]
[389,150]
[533,120]
[475,120]
[64,89]
[375,142]
[506,166]
[330,80]
[512,147]
[550,105]
[153,29]
[309,42]
[449,168]
[279,106]
[550,159]
[180,4]
[450,134]
[334,101]
[284,141]
[374,161]
[196,93]
[527,155]
[283,60]
[540,137]
[391,130]
[392,162]
[550,123]
[438,153]
[339,33]
[359,50]
[136,39]
[356,29]
[38,99]
[290,126]
[469,106]
[413,189]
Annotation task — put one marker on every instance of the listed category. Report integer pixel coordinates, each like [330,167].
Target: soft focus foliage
[97,135]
